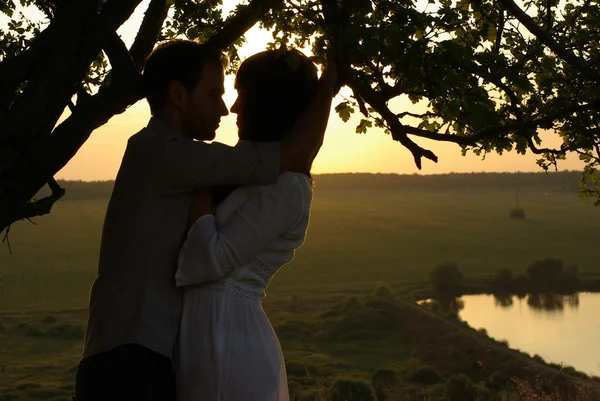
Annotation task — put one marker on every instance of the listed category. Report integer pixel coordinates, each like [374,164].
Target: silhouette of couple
[195,231]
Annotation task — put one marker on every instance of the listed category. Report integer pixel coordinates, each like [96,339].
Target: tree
[504,281]
[446,281]
[488,75]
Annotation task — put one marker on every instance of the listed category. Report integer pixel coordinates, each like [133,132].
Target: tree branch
[244,19]
[524,125]
[36,208]
[398,130]
[499,32]
[548,15]
[336,21]
[460,140]
[47,7]
[149,31]
[119,57]
[543,36]
[474,69]
[573,19]
[16,70]
[542,121]
[49,153]
[52,152]
[361,103]
[82,32]
[408,113]
[542,151]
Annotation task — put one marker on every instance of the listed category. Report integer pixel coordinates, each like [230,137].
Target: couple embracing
[194,231]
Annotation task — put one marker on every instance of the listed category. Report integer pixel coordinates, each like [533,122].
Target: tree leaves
[17,36]
[464,79]
[7,7]
[363,126]
[345,110]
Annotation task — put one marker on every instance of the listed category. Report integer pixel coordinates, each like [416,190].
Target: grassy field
[358,241]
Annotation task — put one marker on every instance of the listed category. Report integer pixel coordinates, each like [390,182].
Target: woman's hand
[202,203]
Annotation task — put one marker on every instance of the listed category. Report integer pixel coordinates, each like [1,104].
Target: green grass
[357,241]
[37,359]
[396,237]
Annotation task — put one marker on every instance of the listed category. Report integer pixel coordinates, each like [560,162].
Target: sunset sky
[342,151]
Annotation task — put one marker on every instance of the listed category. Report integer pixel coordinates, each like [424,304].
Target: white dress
[228,350]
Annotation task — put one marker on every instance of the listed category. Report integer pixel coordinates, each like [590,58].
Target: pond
[561,329]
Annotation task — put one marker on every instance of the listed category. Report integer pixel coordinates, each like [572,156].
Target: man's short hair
[176,60]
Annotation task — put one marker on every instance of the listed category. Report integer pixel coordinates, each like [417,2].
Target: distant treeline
[559,181]
[565,181]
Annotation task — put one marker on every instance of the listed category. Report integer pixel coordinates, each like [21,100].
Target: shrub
[45,393]
[352,305]
[460,388]
[550,274]
[301,369]
[549,269]
[22,326]
[382,381]
[34,331]
[569,370]
[350,390]
[426,375]
[49,319]
[28,385]
[384,292]
[538,358]
[446,280]
[10,396]
[504,280]
[66,332]
[313,396]
[498,381]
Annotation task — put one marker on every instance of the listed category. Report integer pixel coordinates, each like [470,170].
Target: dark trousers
[127,373]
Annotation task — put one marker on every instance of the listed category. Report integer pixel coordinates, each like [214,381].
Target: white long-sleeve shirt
[254,232]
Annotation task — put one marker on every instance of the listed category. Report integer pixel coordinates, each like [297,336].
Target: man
[135,308]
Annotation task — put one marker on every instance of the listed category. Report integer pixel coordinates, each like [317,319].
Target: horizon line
[393,174]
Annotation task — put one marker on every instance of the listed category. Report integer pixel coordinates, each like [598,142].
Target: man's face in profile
[205,106]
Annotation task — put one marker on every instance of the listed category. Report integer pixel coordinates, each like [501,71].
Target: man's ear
[177,94]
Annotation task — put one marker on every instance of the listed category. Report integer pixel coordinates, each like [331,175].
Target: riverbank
[423,291]
[382,343]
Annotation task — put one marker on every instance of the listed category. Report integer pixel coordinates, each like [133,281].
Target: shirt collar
[162,127]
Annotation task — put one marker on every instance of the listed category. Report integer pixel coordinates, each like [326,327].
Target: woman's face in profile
[238,108]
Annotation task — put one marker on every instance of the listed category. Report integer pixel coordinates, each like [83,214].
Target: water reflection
[563,329]
[445,305]
[503,300]
[549,302]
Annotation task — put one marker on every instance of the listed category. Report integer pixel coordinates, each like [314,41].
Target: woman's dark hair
[278,86]
[176,60]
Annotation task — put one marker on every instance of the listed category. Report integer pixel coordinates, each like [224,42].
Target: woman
[228,349]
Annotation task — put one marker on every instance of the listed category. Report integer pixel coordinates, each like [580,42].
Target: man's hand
[202,203]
